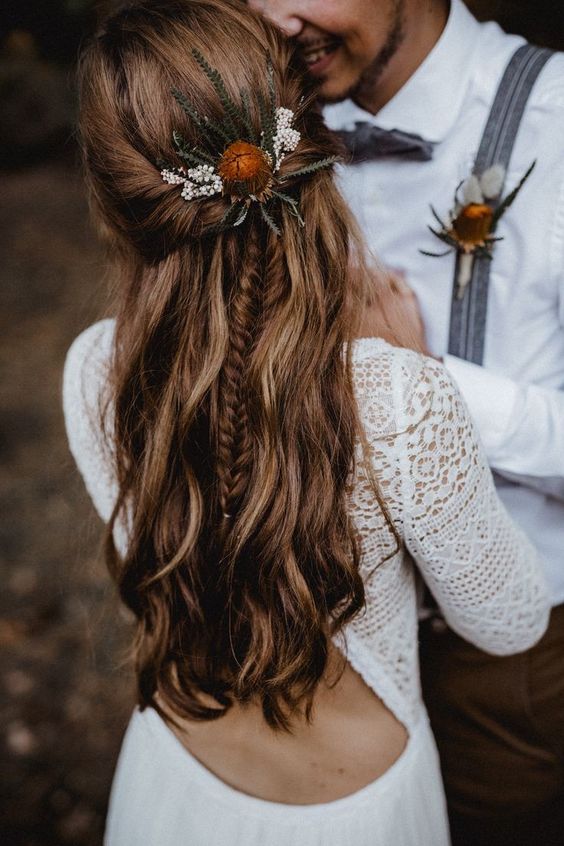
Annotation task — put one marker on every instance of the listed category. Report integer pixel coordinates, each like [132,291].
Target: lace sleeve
[84,380]
[482,570]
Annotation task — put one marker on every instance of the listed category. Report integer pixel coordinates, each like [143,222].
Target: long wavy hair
[233,418]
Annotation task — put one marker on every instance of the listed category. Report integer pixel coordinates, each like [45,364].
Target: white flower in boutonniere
[472,223]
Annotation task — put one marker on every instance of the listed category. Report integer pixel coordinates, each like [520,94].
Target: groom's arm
[521,425]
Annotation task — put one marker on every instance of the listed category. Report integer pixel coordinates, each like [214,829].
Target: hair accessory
[233,160]
[201,181]
[285,139]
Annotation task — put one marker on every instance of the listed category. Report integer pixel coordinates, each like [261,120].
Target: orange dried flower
[473,225]
[245,169]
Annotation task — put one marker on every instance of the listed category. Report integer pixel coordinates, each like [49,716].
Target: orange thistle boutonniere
[473,221]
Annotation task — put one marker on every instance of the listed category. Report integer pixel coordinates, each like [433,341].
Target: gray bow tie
[366,142]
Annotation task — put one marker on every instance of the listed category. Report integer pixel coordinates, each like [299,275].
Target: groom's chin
[327,99]
[330,91]
[336,97]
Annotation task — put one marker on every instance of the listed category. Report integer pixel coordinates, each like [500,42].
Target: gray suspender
[468,315]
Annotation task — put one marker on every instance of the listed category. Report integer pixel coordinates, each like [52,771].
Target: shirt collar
[430,101]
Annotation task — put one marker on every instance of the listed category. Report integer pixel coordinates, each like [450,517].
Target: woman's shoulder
[88,359]
[91,348]
[84,381]
[85,374]
[397,388]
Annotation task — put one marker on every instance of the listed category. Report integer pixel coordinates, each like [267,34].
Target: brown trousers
[499,726]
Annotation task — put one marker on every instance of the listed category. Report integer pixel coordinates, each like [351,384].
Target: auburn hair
[233,416]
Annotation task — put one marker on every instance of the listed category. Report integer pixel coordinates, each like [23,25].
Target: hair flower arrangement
[233,159]
[472,223]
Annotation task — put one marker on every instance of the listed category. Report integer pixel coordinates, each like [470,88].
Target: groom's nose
[283,13]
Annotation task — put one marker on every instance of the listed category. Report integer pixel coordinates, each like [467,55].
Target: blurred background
[65,688]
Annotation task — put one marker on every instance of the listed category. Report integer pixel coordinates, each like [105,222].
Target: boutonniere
[472,222]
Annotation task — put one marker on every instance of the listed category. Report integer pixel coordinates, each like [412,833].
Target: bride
[275,485]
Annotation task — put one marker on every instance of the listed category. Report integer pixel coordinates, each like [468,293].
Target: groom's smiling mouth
[318,54]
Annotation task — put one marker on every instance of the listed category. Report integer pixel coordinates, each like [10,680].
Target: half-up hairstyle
[232,405]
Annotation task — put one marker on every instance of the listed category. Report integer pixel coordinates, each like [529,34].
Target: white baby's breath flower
[491,181]
[285,139]
[174,177]
[201,181]
[472,191]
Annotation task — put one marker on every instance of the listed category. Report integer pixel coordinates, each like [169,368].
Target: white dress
[481,569]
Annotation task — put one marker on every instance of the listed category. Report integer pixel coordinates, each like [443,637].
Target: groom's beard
[371,76]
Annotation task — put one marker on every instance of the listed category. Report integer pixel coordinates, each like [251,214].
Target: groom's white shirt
[517,397]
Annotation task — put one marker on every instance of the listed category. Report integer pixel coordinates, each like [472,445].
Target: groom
[451,102]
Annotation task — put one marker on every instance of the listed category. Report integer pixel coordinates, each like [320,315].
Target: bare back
[351,741]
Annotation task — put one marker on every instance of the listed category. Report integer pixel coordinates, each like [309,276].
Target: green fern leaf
[179,140]
[242,216]
[271,86]
[267,218]
[502,208]
[314,166]
[233,117]
[437,218]
[193,161]
[292,203]
[443,236]
[435,255]
[229,216]
[191,155]
[267,122]
[286,197]
[187,107]
[246,115]
[197,151]
[221,136]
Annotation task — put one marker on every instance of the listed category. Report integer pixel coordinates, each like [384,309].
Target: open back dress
[456,537]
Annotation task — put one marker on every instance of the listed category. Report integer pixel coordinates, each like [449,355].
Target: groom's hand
[394,314]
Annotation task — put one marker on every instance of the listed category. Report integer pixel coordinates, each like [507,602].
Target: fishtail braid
[234,444]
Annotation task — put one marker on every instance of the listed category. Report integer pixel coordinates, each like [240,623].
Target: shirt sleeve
[482,570]
[521,425]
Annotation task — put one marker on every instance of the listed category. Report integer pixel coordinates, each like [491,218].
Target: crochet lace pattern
[434,477]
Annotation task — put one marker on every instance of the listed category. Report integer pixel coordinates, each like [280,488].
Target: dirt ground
[65,691]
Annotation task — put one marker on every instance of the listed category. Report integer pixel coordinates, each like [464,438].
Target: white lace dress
[481,569]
